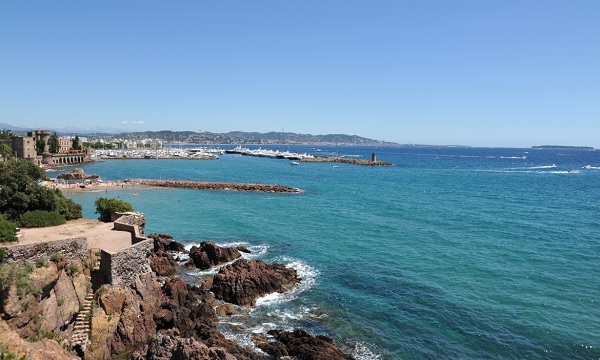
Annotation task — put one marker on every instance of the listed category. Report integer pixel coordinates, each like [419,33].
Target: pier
[335,159]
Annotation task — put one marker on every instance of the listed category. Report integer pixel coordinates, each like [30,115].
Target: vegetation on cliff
[20,193]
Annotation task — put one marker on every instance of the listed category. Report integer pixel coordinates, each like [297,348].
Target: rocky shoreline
[334,159]
[157,316]
[210,185]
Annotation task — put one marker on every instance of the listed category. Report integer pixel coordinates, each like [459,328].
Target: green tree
[53,144]
[105,207]
[76,144]
[7,230]
[5,151]
[39,146]
[20,192]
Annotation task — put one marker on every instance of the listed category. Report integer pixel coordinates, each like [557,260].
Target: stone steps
[82,326]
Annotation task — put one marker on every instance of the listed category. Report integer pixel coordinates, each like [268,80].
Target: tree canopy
[106,206]
[20,192]
[53,144]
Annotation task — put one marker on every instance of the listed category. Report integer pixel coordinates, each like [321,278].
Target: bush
[7,230]
[73,269]
[105,207]
[60,302]
[56,257]
[2,254]
[19,275]
[40,218]
[41,262]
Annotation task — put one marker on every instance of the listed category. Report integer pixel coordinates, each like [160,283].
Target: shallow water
[452,253]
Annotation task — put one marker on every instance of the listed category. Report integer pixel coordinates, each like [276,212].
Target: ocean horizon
[453,252]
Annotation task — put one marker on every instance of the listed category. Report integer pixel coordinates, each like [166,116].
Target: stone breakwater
[346,161]
[206,185]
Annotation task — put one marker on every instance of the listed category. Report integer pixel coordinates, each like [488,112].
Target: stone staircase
[83,327]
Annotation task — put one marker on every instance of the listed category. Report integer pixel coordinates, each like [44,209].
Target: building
[24,148]
[64,145]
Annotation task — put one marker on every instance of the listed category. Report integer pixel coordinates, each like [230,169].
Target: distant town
[48,148]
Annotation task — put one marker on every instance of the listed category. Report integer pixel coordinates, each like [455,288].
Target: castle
[26,147]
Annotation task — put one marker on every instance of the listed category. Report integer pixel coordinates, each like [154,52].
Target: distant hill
[241,137]
[562,147]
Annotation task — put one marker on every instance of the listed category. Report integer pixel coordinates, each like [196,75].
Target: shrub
[41,218]
[106,206]
[73,269]
[17,274]
[41,262]
[60,302]
[7,230]
[2,253]
[56,257]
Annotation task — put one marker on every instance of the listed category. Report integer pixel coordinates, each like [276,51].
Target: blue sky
[481,73]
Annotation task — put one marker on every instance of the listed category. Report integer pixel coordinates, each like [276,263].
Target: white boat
[294,163]
[574,171]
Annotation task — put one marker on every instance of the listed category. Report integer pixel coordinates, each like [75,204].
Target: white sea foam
[362,352]
[513,157]
[551,166]
[307,273]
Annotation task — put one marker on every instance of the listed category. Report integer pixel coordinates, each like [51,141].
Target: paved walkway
[99,234]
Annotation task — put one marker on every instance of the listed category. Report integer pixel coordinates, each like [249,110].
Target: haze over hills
[205,137]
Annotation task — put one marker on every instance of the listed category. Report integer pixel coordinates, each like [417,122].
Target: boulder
[163,264]
[209,254]
[169,345]
[299,344]
[165,242]
[242,282]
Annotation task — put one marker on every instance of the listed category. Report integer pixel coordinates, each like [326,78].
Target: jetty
[335,159]
[211,185]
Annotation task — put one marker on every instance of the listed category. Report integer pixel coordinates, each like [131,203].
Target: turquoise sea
[452,253]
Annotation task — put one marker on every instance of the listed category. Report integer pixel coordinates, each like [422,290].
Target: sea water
[452,252]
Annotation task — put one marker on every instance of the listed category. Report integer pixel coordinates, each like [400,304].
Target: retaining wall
[71,249]
[121,268]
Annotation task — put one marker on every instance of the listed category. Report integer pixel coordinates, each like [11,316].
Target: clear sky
[472,72]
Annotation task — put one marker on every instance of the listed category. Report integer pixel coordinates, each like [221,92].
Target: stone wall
[71,249]
[121,268]
[131,222]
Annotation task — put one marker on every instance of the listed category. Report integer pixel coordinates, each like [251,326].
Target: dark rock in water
[209,254]
[242,282]
[299,344]
[244,249]
[165,242]
[163,264]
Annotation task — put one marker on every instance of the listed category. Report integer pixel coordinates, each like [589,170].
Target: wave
[513,157]
[551,166]
[362,352]
[307,273]
[355,156]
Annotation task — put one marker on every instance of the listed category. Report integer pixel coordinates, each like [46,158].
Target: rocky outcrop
[209,254]
[78,174]
[165,242]
[299,344]
[163,264]
[45,349]
[242,282]
[125,320]
[170,345]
